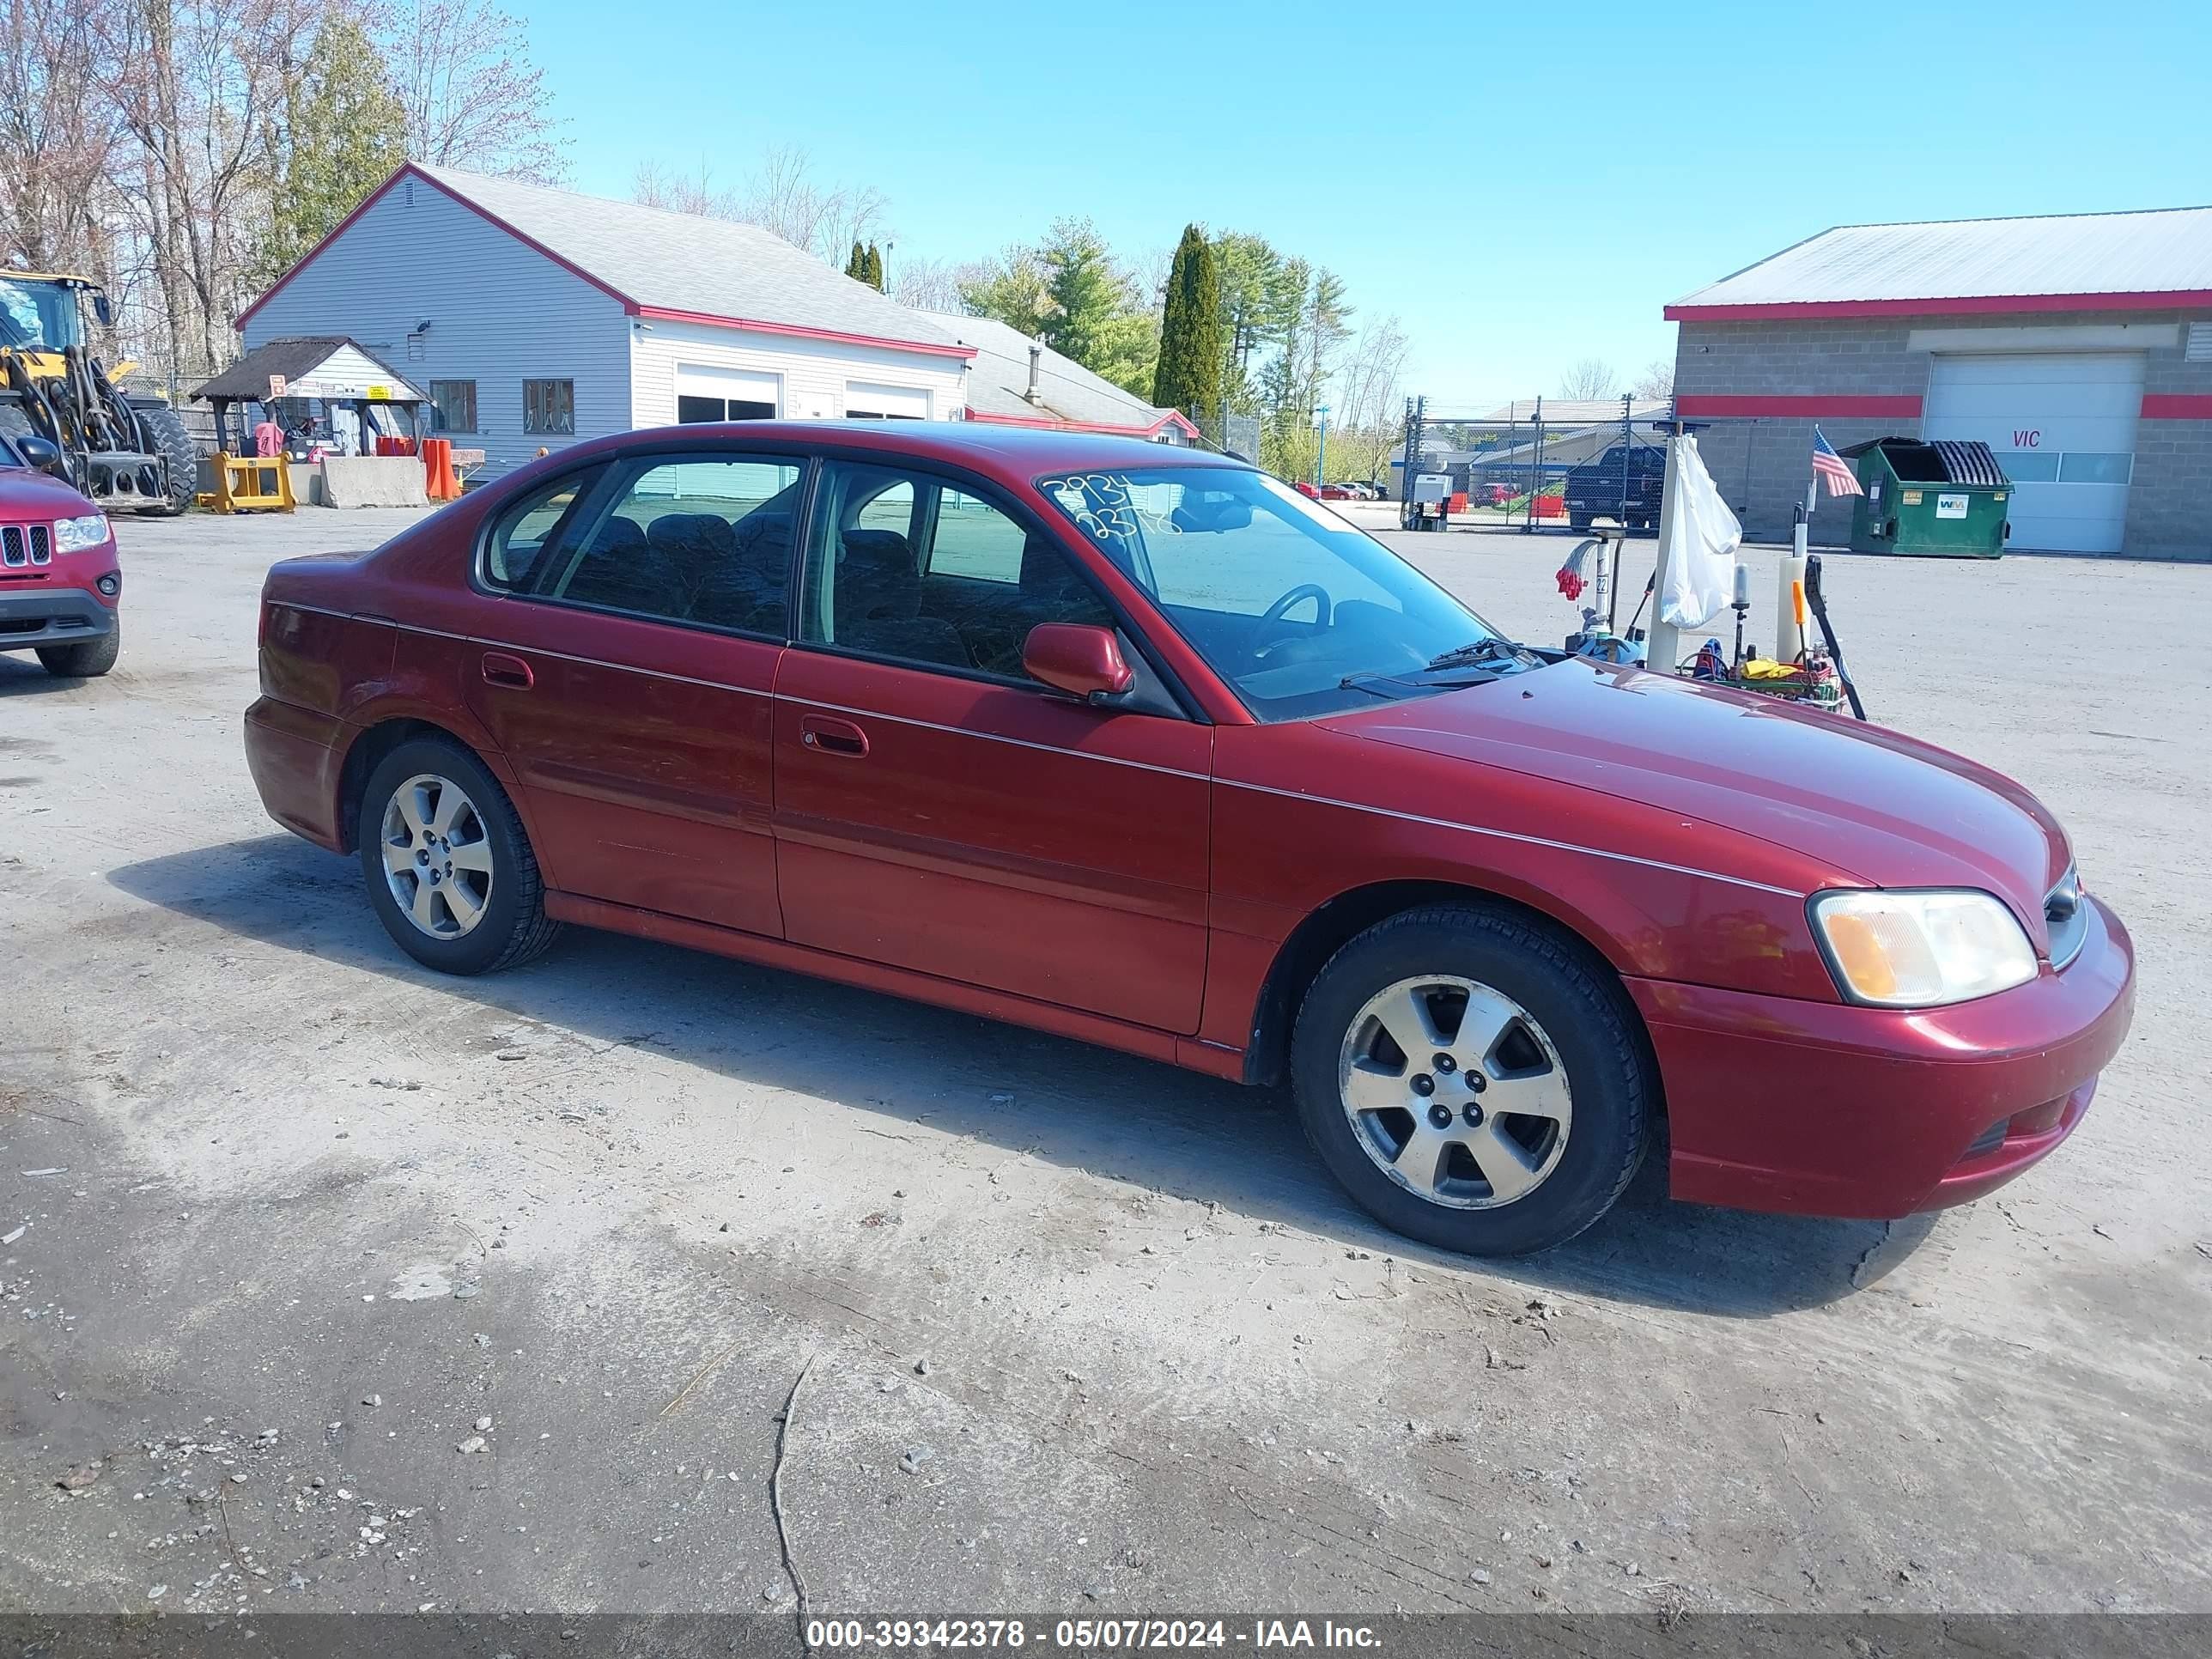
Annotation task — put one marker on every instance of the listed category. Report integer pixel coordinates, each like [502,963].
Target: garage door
[2064,426]
[868,402]
[705,392]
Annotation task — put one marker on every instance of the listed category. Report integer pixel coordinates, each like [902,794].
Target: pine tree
[1086,292]
[1193,349]
[343,132]
[857,266]
[872,270]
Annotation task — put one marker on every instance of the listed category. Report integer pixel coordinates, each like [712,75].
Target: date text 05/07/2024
[1090,1635]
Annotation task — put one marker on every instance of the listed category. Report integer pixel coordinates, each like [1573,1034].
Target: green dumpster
[1945,497]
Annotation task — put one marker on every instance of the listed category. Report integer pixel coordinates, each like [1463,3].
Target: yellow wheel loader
[124,453]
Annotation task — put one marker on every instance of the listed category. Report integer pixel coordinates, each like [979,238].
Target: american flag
[1831,469]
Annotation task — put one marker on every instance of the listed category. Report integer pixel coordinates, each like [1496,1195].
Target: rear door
[630,683]
[938,810]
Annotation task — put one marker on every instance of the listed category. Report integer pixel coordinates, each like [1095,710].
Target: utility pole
[1320,455]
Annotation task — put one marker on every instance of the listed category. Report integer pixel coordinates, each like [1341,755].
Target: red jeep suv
[1134,744]
[60,583]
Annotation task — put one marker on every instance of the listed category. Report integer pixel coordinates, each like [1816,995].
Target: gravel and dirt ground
[328,1284]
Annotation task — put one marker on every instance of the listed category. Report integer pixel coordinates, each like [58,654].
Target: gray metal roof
[2166,251]
[670,261]
[1560,411]
[999,375]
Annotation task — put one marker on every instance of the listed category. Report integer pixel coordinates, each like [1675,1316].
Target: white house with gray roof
[533,318]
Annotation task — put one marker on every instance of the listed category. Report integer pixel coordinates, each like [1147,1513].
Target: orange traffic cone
[447,477]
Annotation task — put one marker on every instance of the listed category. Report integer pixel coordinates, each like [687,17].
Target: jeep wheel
[449,866]
[87,660]
[1473,1079]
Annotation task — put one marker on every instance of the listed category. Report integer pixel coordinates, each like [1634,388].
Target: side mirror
[43,453]
[1078,658]
[102,310]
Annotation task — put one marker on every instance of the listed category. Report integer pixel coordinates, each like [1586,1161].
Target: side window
[542,519]
[696,540]
[906,567]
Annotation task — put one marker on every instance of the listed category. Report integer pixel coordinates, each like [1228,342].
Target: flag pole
[1789,631]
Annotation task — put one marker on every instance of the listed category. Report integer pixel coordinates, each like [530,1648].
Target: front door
[630,683]
[936,809]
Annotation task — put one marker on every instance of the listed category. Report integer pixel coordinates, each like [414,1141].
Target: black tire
[511,926]
[167,437]
[1579,1008]
[87,660]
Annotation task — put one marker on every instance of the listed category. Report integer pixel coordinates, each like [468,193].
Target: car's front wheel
[1475,1080]
[84,659]
[448,866]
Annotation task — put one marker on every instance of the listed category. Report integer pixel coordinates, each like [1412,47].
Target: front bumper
[50,616]
[1827,1109]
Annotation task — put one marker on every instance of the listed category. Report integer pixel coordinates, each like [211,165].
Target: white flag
[1700,535]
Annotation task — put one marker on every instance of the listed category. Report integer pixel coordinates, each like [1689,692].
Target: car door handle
[832,737]
[500,668]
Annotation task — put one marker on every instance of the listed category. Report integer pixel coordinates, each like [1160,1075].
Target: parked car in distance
[1625,483]
[1337,492]
[61,584]
[1137,746]
[1312,493]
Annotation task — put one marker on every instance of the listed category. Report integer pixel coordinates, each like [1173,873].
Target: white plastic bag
[1700,535]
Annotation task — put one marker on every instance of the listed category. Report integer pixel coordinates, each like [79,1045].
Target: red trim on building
[796,330]
[1967,306]
[2177,406]
[1174,417]
[408,170]
[1835,407]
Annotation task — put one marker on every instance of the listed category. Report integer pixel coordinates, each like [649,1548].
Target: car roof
[1010,452]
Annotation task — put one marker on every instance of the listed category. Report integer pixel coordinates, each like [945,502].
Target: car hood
[1888,810]
[28,494]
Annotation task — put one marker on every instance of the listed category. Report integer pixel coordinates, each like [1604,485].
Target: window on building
[2090,466]
[866,402]
[548,406]
[904,567]
[453,405]
[692,410]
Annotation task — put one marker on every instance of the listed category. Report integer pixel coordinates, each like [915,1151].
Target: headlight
[1921,950]
[74,535]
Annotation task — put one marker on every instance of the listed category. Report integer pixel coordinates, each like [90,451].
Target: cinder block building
[2079,348]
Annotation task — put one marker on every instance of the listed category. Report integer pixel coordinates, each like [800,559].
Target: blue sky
[1524,187]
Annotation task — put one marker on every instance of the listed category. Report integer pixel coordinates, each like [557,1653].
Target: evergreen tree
[1087,294]
[857,266]
[1193,347]
[342,132]
[872,272]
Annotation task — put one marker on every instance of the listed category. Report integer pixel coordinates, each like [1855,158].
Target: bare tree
[926,284]
[1657,380]
[197,84]
[781,196]
[58,138]
[1368,398]
[474,99]
[1588,380]
[655,186]
[825,220]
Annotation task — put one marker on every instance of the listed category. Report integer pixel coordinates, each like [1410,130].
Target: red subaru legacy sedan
[1135,744]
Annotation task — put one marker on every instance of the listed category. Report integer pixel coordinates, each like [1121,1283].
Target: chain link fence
[1539,463]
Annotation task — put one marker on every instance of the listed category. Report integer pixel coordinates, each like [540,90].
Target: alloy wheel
[437,856]
[1455,1092]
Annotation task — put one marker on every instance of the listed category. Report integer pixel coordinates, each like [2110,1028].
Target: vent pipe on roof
[1036,393]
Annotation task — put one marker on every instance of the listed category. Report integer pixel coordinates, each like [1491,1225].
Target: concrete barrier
[372,481]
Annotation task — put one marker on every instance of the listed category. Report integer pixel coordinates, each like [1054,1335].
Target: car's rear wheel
[85,660]
[1475,1079]
[448,866]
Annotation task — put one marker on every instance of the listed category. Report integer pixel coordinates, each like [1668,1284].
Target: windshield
[1299,611]
[38,316]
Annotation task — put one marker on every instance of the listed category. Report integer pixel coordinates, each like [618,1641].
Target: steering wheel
[1323,604]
